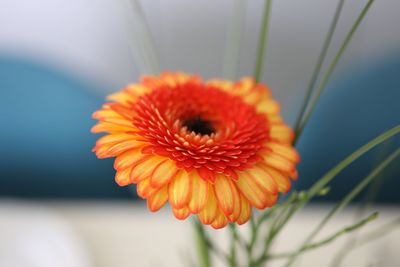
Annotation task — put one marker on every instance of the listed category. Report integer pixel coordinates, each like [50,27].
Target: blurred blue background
[55,71]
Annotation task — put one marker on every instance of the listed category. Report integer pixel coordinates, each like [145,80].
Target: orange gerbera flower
[215,149]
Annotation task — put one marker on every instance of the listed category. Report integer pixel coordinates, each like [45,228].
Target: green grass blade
[232,47]
[320,186]
[312,103]
[141,40]
[262,40]
[202,245]
[365,239]
[345,201]
[318,65]
[330,238]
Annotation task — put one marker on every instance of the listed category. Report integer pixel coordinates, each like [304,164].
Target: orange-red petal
[182,213]
[263,179]
[123,177]
[220,221]
[163,173]
[282,180]
[225,192]
[210,210]
[180,190]
[144,190]
[199,193]
[158,199]
[245,210]
[285,151]
[253,193]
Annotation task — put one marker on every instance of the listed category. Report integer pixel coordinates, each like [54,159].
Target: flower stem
[143,47]
[232,49]
[329,239]
[320,61]
[202,245]
[312,103]
[234,237]
[252,242]
[262,41]
[320,185]
[344,202]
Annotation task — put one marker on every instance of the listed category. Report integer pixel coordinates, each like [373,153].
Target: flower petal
[237,204]
[180,190]
[123,146]
[123,177]
[263,179]
[220,221]
[278,162]
[158,199]
[225,193]
[282,133]
[245,211]
[285,151]
[163,173]
[282,180]
[209,213]
[253,192]
[144,190]
[144,169]
[182,213]
[122,97]
[111,128]
[113,139]
[199,193]
[129,158]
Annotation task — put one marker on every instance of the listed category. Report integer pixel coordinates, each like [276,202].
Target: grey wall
[89,38]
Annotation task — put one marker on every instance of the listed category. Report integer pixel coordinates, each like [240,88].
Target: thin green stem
[262,41]
[234,238]
[365,239]
[252,242]
[369,198]
[320,61]
[328,239]
[320,185]
[344,202]
[282,209]
[232,47]
[141,40]
[202,245]
[312,103]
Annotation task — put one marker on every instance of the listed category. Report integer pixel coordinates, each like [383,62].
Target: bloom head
[214,149]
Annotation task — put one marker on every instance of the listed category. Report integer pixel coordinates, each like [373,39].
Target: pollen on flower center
[199,126]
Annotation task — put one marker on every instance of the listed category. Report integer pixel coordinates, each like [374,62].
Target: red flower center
[202,127]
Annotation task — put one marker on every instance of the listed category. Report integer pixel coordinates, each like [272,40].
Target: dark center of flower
[199,126]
